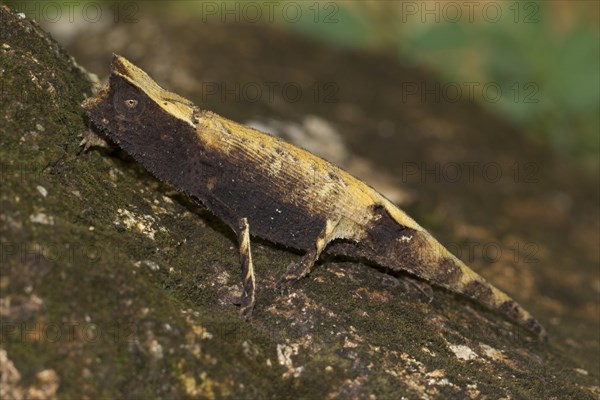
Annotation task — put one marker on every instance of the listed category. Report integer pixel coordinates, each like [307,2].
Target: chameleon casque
[263,186]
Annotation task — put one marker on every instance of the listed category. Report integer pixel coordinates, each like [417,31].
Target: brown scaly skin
[262,185]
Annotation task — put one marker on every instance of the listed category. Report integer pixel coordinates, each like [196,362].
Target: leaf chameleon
[261,185]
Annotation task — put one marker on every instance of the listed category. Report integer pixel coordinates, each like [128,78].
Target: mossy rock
[114,286]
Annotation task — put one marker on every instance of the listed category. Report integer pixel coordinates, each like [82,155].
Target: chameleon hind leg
[298,270]
[247,299]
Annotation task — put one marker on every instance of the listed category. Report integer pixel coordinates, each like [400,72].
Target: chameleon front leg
[247,298]
[298,270]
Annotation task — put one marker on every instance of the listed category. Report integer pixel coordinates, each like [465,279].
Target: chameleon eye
[128,103]
[131,103]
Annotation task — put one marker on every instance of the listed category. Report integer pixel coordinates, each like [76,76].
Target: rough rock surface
[114,286]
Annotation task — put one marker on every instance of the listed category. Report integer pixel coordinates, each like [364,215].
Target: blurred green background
[543,55]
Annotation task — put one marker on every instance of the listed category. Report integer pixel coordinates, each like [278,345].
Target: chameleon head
[133,110]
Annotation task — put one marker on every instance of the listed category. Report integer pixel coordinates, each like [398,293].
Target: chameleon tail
[398,242]
[454,275]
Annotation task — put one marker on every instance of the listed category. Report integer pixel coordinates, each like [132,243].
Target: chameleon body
[261,185]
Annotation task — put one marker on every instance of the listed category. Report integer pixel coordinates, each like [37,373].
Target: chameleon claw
[285,283]
[246,305]
[246,311]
